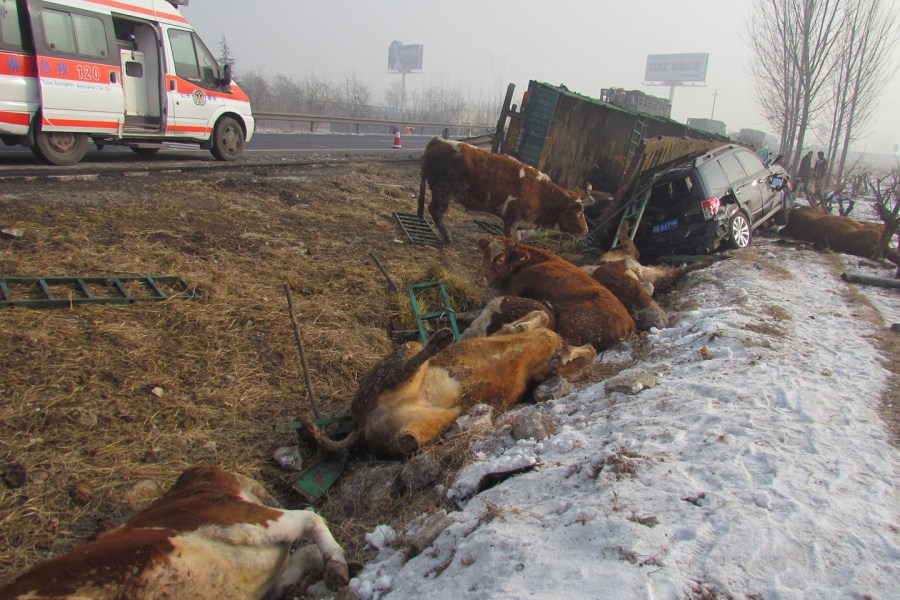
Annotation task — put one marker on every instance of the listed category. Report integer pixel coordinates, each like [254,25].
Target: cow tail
[325,442]
[421,212]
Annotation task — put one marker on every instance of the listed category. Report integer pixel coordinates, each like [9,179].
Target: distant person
[820,172]
[805,173]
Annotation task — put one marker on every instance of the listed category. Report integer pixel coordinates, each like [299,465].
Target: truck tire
[228,140]
[59,148]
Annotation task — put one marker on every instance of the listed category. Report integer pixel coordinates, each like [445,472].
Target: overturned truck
[576,139]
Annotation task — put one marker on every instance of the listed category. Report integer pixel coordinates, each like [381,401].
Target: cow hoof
[441,338]
[336,574]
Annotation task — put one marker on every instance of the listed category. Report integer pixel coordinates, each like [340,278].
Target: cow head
[571,219]
[501,257]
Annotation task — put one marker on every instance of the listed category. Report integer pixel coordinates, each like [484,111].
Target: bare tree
[804,37]
[353,96]
[771,39]
[870,35]
[286,94]
[886,190]
[257,89]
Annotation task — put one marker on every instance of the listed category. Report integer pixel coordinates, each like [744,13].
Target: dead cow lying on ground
[634,284]
[841,234]
[586,311]
[496,184]
[214,535]
[415,394]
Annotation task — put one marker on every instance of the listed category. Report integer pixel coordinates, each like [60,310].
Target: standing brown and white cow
[214,535]
[496,184]
[585,310]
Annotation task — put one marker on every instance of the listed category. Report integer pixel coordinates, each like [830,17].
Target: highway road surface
[263,148]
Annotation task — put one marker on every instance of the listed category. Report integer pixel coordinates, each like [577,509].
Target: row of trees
[819,68]
[348,96]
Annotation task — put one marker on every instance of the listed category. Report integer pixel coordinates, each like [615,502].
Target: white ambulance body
[130,72]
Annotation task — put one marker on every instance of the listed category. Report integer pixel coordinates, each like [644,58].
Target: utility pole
[712,115]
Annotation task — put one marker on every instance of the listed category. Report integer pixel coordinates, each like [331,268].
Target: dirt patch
[95,400]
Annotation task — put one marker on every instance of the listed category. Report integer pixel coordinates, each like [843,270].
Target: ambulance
[126,72]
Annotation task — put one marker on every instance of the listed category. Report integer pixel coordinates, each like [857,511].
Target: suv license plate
[665,226]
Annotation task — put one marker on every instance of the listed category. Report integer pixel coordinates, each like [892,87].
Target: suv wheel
[739,235]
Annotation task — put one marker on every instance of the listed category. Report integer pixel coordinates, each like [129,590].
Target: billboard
[675,69]
[404,58]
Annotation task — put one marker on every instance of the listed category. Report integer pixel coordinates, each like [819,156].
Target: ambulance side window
[183,54]
[10,34]
[74,34]
[90,36]
[208,65]
[58,31]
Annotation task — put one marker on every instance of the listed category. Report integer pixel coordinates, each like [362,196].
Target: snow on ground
[756,468]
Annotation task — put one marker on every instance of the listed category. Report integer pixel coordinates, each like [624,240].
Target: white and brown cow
[416,393]
[499,185]
[585,310]
[214,535]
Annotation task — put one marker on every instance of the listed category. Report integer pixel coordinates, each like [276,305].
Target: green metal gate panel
[539,114]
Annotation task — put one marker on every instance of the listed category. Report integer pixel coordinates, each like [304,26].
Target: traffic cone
[397,138]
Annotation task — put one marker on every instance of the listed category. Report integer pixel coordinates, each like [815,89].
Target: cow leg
[532,320]
[401,366]
[440,203]
[295,525]
[511,226]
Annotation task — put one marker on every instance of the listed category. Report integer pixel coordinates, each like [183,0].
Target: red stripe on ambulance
[138,9]
[15,118]
[79,123]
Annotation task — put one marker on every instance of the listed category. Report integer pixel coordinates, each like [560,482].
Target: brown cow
[625,285]
[841,234]
[496,184]
[214,535]
[416,393]
[586,312]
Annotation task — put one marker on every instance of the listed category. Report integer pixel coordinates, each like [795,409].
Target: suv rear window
[714,178]
[733,168]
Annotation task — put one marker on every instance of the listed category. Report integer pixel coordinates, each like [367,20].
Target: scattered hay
[98,399]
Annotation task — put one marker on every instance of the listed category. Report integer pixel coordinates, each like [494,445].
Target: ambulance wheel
[59,148]
[228,140]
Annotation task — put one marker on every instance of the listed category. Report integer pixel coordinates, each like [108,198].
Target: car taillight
[710,208]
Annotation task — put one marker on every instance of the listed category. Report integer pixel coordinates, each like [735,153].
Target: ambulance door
[78,70]
[196,73]
[18,83]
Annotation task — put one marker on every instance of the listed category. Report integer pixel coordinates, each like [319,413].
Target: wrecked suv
[699,204]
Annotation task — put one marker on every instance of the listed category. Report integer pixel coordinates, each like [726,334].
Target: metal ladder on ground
[418,293]
[61,292]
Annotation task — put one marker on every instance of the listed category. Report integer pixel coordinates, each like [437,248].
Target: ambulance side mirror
[226,79]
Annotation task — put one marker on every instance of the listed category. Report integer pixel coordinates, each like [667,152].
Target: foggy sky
[484,45]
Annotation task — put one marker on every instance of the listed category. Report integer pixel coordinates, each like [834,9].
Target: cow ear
[483,243]
[589,198]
